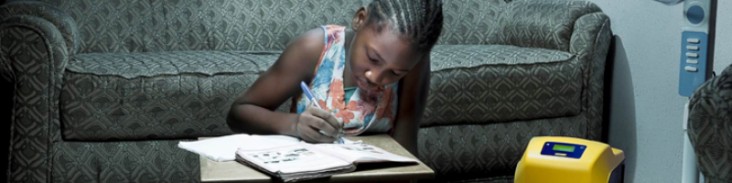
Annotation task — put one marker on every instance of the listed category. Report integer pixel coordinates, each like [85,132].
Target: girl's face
[378,58]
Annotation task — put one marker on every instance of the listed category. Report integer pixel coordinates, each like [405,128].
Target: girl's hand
[317,126]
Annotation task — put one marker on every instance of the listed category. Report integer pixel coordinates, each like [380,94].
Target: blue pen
[306,90]
[311,97]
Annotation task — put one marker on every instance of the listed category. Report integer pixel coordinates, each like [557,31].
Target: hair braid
[418,20]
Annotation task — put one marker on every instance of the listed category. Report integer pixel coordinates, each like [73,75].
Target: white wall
[723,50]
[645,108]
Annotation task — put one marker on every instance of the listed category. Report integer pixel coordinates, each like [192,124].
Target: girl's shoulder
[333,29]
[320,35]
[312,40]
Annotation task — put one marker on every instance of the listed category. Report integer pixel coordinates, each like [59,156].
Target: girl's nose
[372,78]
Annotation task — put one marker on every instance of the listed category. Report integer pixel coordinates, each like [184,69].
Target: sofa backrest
[539,23]
[470,21]
[167,25]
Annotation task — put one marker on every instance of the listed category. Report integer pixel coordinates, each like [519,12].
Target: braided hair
[418,20]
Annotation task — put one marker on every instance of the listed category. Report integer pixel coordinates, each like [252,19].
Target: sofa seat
[514,83]
[103,92]
[123,161]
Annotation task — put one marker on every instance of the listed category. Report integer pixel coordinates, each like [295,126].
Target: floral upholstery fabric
[104,89]
[710,127]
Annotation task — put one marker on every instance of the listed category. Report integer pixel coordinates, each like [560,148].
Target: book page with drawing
[361,153]
[224,148]
[305,161]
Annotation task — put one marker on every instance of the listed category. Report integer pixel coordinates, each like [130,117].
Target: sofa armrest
[58,19]
[590,42]
[24,35]
[591,33]
[539,24]
[710,126]
[34,51]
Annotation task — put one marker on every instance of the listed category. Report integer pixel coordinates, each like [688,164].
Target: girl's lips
[368,93]
[362,84]
[365,88]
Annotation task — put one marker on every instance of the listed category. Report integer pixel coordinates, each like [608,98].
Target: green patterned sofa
[710,127]
[104,90]
[505,73]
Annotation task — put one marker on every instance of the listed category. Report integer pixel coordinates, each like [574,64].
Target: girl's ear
[359,19]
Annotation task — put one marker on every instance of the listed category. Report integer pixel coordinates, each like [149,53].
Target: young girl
[373,79]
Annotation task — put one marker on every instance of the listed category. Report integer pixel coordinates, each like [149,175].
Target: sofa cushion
[495,83]
[155,95]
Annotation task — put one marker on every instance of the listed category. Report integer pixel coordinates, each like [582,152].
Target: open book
[303,161]
[223,148]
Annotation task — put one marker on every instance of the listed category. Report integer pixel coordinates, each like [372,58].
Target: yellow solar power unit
[550,159]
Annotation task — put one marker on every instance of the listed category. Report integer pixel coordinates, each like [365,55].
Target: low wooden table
[232,171]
